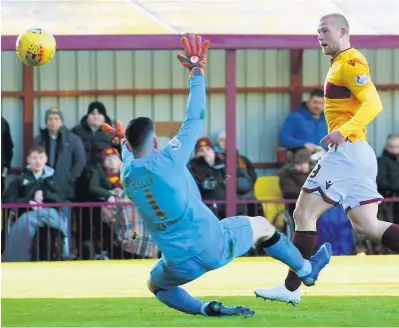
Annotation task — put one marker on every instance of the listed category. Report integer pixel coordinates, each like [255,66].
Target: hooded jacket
[302,127]
[94,141]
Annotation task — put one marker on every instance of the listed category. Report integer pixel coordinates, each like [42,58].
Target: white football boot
[280,293]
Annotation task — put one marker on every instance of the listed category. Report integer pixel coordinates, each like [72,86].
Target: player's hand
[195,54]
[117,133]
[333,140]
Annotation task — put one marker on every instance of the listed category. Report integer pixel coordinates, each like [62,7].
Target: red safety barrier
[67,231]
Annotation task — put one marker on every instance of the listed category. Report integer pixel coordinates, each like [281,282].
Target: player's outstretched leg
[179,299]
[280,247]
[308,209]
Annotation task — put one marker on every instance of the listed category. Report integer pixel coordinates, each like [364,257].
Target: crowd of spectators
[81,165]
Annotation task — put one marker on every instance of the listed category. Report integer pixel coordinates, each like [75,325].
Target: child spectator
[130,235]
[34,186]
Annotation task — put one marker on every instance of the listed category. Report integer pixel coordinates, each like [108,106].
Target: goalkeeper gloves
[117,132]
[195,54]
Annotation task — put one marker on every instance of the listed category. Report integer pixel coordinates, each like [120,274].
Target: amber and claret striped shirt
[351,99]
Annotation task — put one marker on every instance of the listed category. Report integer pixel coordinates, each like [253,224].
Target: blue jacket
[301,127]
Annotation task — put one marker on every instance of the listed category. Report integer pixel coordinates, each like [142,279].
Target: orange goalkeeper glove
[116,132]
[195,54]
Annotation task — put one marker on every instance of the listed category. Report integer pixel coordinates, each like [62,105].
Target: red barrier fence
[86,231]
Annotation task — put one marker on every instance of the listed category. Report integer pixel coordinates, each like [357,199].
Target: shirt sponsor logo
[328,184]
[175,143]
[362,79]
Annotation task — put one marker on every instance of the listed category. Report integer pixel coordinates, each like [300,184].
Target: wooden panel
[167,129]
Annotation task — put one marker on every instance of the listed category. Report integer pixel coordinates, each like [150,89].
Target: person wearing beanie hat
[95,140]
[52,111]
[209,172]
[89,130]
[122,221]
[204,147]
[64,150]
[97,107]
[97,115]
[105,178]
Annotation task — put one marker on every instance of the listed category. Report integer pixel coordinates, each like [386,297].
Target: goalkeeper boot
[217,309]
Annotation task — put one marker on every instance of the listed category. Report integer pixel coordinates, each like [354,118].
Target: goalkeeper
[192,240]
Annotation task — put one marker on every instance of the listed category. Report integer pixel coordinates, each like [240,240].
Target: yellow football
[36,47]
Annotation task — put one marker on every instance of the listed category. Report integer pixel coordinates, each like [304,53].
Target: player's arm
[356,76]
[180,148]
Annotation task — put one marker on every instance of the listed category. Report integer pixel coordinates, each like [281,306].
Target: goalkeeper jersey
[165,193]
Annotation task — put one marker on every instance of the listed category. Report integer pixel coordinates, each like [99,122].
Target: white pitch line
[154,17]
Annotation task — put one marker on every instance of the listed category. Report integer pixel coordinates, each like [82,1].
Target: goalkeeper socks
[180,300]
[306,242]
[281,248]
[390,238]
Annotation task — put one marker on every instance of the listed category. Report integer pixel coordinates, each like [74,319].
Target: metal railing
[73,231]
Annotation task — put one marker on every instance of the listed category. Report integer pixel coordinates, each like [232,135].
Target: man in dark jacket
[388,175]
[65,152]
[306,126]
[7,150]
[95,140]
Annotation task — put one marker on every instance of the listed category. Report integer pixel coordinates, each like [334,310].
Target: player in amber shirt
[347,173]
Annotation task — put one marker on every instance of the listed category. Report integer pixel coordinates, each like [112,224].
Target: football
[36,47]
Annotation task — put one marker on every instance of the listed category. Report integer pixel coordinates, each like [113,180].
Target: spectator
[306,126]
[209,172]
[106,185]
[65,152]
[293,176]
[34,186]
[388,177]
[95,140]
[242,161]
[7,151]
[245,164]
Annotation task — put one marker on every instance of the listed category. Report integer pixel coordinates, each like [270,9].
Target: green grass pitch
[352,292]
